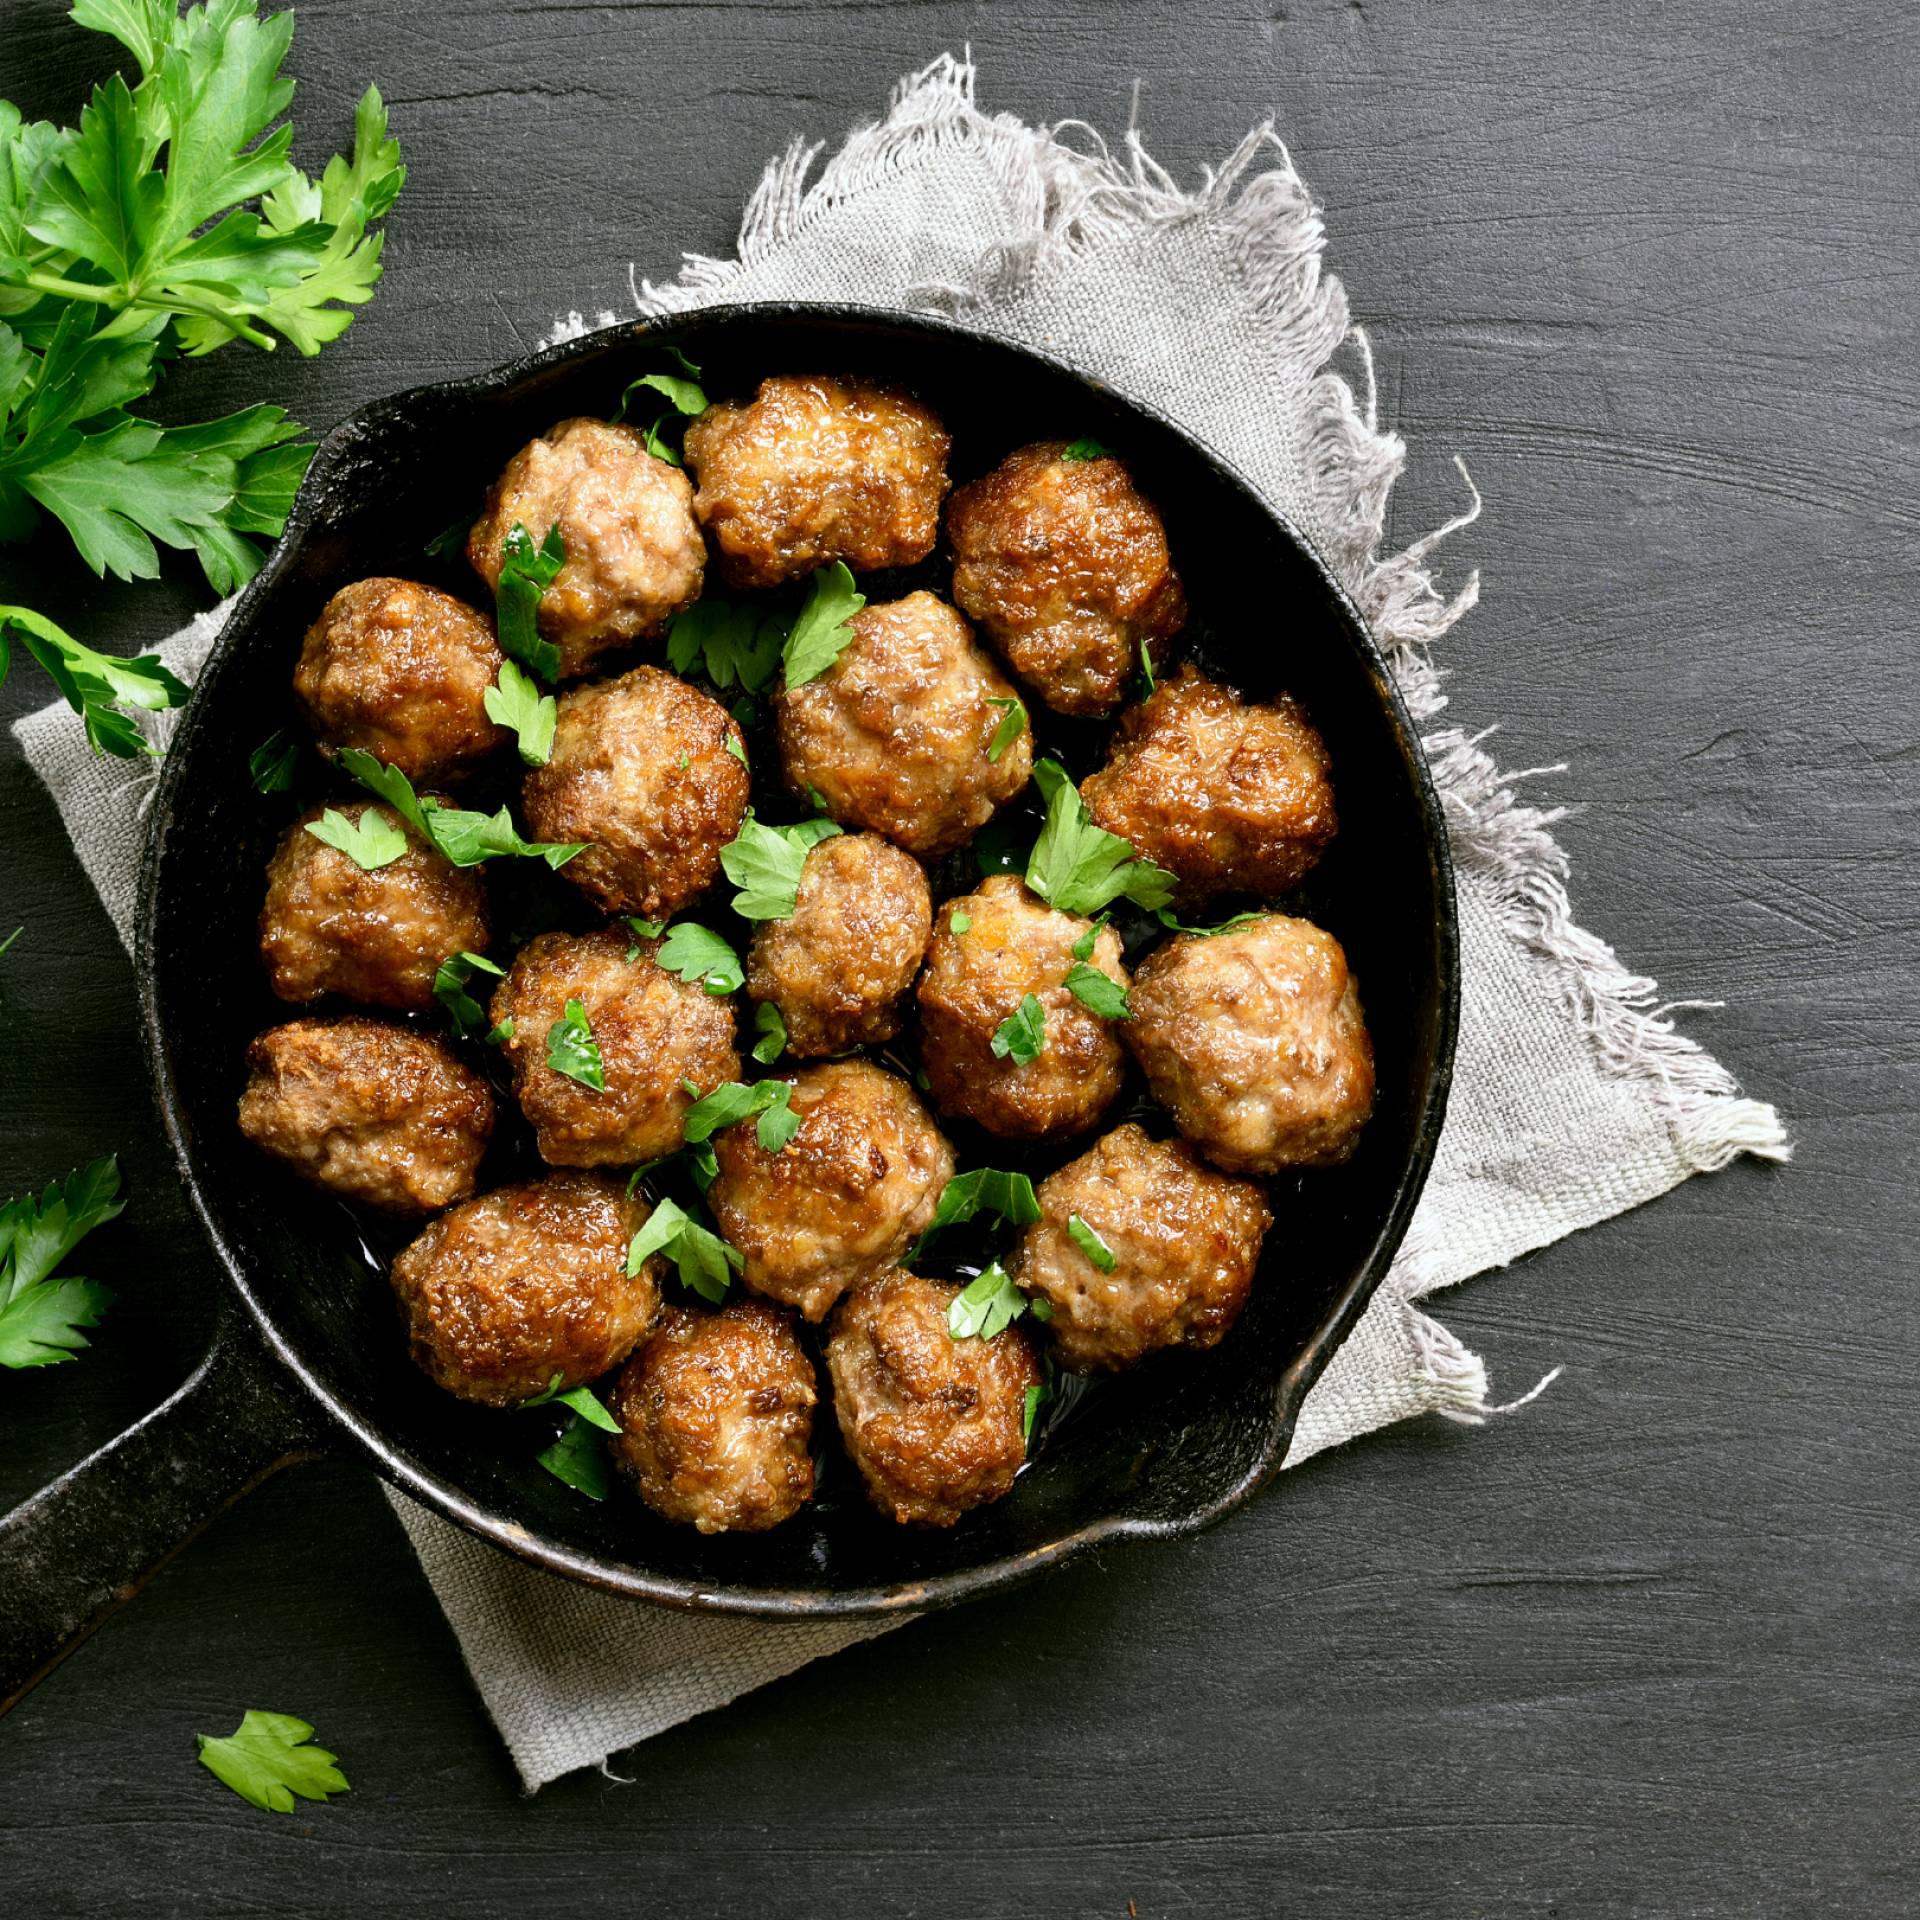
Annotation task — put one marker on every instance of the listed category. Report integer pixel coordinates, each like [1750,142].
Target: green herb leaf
[765,864]
[500,1035]
[465,839]
[1168,921]
[272,762]
[6,945]
[1085,449]
[983,1190]
[572,1049]
[526,572]
[1100,991]
[579,1457]
[987,1307]
[733,645]
[515,701]
[451,542]
[1090,1243]
[821,633]
[1022,1035]
[371,842]
[268,1759]
[701,958]
[582,1400]
[959,922]
[705,1263]
[469,1017]
[1081,868]
[779,1123]
[97,686]
[1035,1397]
[734,1101]
[658,445]
[1013,723]
[684,396]
[1148,680]
[40,1324]
[768,1022]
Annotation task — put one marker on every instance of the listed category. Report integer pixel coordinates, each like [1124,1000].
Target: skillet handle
[80,1549]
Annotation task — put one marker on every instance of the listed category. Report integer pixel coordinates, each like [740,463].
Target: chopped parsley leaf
[705,1263]
[579,1457]
[1085,449]
[1081,868]
[959,921]
[1013,723]
[733,645]
[469,1017]
[526,572]
[987,1307]
[701,958]
[371,842]
[1090,1243]
[1022,1036]
[272,762]
[573,1051]
[765,864]
[770,1024]
[516,702]
[1100,991]
[821,632]
[984,1190]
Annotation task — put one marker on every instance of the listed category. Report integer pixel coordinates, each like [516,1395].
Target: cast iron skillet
[309,1355]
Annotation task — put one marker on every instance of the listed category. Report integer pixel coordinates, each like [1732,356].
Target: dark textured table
[1649,1647]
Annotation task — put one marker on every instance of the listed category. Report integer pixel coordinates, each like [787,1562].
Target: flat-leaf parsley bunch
[170,221]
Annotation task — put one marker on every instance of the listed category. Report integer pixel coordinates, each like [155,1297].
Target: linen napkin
[1574,1096]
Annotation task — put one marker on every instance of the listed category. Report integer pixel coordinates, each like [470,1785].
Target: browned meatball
[895,735]
[816,469]
[716,1412]
[654,1032]
[843,1198]
[634,553]
[527,1283]
[369,1110]
[328,926]
[935,1425]
[402,672]
[977,979]
[1253,1040]
[1063,566]
[1229,798]
[1182,1241]
[839,968]
[642,771]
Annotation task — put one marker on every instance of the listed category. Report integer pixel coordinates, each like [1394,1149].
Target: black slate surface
[1648,1647]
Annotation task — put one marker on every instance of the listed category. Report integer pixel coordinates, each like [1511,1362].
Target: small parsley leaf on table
[1080,868]
[768,1022]
[1099,991]
[824,627]
[573,1051]
[272,762]
[1090,1243]
[469,1017]
[371,842]
[701,958]
[41,1312]
[269,1758]
[515,701]
[986,1307]
[1022,1036]
[526,572]
[765,863]
[97,686]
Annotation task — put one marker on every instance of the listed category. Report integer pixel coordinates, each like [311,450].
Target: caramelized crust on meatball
[1063,566]
[400,671]
[843,1198]
[1229,798]
[641,770]
[654,1032]
[936,1425]
[329,926]
[895,735]
[634,553]
[839,968]
[1184,1243]
[1254,1041]
[369,1110]
[976,980]
[526,1283]
[716,1413]
[816,469]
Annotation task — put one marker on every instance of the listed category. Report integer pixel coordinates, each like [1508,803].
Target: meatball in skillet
[1164,1257]
[839,968]
[816,469]
[506,1292]
[329,926]
[845,1196]
[1229,798]
[936,1425]
[643,770]
[1062,564]
[368,1109]
[1254,1041]
[402,672]
[716,1417]
[654,1033]
[896,735]
[1011,946]
[634,552]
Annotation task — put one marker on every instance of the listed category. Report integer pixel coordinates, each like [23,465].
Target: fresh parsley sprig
[579,1458]
[371,841]
[701,958]
[271,764]
[268,1758]
[41,1310]
[733,1101]
[97,686]
[1081,868]
[733,645]
[526,572]
[989,1305]
[572,1050]
[765,863]
[583,1400]
[983,1190]
[824,627]
[705,1263]
[465,838]
[515,701]
[684,395]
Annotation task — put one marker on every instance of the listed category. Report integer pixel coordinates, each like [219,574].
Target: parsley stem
[172,302]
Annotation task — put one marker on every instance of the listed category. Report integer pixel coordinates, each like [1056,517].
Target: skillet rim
[338,449]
